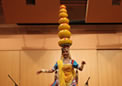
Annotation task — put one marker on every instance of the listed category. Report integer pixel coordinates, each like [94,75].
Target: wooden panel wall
[110,67]
[23,55]
[40,37]
[11,42]
[29,42]
[9,64]
[90,69]
[32,61]
[80,41]
[103,66]
[102,11]
[44,11]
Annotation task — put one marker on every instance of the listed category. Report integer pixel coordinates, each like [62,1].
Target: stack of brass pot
[64,27]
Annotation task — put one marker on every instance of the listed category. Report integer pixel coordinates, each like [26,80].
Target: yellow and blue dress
[66,73]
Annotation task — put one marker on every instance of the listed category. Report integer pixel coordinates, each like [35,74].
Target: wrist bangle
[43,70]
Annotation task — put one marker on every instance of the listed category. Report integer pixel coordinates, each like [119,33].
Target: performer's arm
[45,71]
[82,65]
[48,71]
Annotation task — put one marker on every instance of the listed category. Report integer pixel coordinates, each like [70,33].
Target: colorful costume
[66,73]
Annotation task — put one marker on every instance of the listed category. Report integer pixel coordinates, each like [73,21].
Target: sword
[87,84]
[12,80]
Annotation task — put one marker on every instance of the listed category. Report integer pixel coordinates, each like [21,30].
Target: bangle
[43,70]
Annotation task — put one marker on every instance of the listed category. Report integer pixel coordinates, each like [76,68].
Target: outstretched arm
[45,71]
[82,65]
[48,71]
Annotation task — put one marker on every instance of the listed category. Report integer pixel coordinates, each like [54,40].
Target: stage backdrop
[24,11]
[103,67]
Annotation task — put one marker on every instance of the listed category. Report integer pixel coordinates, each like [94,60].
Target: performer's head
[65,52]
